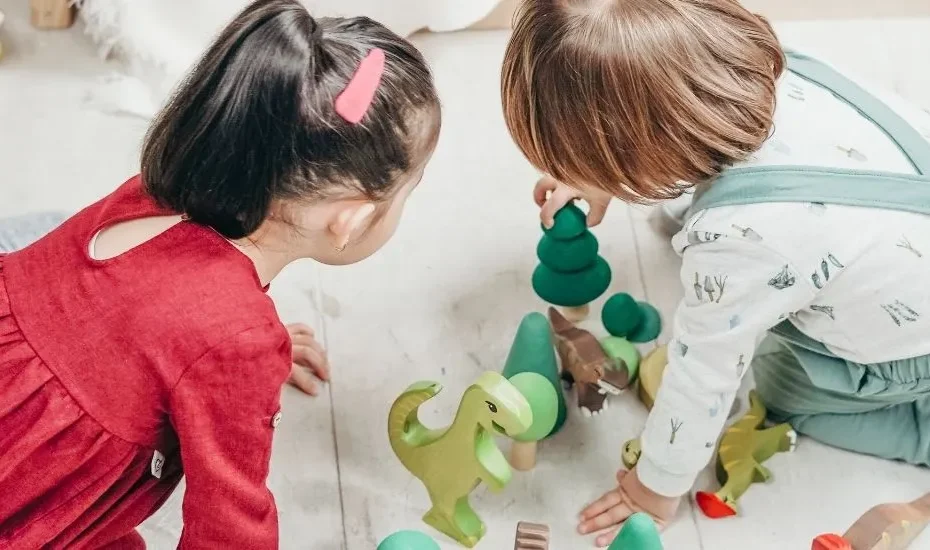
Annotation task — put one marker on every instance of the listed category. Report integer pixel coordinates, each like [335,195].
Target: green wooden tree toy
[571,274]
[531,366]
[743,449]
[624,317]
[409,540]
[639,532]
[452,461]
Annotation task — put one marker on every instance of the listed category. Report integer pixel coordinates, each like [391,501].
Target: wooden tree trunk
[52,14]
[523,455]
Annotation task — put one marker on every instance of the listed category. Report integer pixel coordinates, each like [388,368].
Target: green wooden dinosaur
[743,449]
[452,461]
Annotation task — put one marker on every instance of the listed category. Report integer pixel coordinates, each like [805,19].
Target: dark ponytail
[254,121]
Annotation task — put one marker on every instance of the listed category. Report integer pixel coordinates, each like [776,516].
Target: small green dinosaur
[743,449]
[452,461]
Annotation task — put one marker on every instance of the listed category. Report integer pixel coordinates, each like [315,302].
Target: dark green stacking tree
[532,367]
[571,274]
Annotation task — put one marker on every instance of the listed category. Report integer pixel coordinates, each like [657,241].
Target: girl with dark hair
[137,343]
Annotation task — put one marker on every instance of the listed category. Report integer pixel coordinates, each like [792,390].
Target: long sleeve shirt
[853,278]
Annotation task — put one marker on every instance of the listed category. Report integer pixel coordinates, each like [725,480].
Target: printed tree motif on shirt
[681,347]
[741,366]
[905,243]
[748,233]
[718,405]
[820,279]
[853,153]
[795,92]
[676,425]
[702,237]
[735,321]
[784,279]
[900,312]
[712,287]
[826,310]
[781,147]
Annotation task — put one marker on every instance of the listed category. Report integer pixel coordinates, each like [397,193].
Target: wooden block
[532,536]
[52,14]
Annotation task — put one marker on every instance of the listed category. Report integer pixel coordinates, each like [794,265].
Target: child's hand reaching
[310,361]
[630,496]
[551,196]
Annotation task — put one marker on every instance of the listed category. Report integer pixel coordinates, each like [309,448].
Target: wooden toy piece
[631,451]
[532,353]
[52,14]
[409,540]
[586,364]
[891,526]
[639,532]
[626,318]
[452,461]
[624,354]
[570,274]
[743,449]
[543,398]
[531,536]
[651,369]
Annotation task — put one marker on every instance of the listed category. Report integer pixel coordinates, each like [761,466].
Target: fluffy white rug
[159,39]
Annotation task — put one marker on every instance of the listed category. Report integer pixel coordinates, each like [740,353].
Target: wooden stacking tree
[571,274]
[409,540]
[531,366]
[639,532]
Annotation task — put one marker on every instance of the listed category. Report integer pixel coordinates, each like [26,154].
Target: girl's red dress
[172,349]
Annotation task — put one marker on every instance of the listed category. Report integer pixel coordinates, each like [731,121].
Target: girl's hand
[309,359]
[631,496]
[552,196]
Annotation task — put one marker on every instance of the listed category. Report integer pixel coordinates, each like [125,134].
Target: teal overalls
[881,409]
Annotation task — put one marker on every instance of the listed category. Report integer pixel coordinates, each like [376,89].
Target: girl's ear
[350,220]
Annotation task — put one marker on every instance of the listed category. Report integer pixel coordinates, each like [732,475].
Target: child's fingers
[607,537]
[607,501]
[542,189]
[612,517]
[314,359]
[300,328]
[559,198]
[596,213]
[302,340]
[303,380]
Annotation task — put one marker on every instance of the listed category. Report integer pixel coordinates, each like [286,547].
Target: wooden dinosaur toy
[452,461]
[743,449]
[891,526]
[531,536]
[586,365]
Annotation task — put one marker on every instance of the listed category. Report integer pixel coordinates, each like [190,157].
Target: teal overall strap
[875,189]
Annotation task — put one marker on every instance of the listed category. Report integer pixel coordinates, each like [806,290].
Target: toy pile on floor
[525,403]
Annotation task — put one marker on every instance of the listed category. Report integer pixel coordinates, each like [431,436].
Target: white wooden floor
[442,302]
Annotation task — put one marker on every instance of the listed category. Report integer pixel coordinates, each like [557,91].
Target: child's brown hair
[640,98]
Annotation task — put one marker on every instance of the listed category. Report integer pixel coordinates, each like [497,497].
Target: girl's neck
[269,257]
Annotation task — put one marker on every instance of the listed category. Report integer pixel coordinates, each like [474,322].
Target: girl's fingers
[303,380]
[302,340]
[621,474]
[559,198]
[601,505]
[299,328]
[612,517]
[313,358]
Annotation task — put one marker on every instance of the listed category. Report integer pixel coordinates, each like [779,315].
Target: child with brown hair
[805,254]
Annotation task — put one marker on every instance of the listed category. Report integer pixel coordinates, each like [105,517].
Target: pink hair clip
[356,98]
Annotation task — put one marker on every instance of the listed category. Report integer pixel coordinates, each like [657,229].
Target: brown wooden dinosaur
[585,364]
[891,526]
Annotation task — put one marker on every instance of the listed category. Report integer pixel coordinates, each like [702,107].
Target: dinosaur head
[499,406]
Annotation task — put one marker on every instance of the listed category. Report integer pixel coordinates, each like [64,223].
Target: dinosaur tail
[402,420]
[755,416]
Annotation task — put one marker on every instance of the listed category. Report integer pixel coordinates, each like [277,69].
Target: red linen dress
[170,350]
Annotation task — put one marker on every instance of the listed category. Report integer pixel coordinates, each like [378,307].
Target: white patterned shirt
[853,278]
